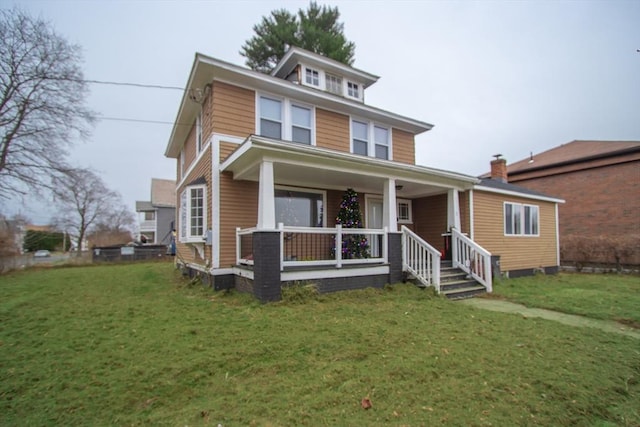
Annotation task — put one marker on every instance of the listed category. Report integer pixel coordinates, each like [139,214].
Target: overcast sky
[493,77]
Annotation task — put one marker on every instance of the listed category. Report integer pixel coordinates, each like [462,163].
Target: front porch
[296,241]
[267,260]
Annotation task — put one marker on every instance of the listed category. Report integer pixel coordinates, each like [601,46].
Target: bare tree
[84,201]
[42,102]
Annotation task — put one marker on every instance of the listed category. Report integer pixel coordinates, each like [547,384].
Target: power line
[104,82]
[157,122]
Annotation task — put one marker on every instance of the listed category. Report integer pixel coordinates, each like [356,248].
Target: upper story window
[301,124]
[521,220]
[193,213]
[285,119]
[270,117]
[360,134]
[353,90]
[333,84]
[362,143]
[381,140]
[182,161]
[311,76]
[150,216]
[199,133]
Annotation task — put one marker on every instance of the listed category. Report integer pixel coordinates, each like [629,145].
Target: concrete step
[465,292]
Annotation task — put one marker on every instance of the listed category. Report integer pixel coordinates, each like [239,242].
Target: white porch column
[389,214]
[453,210]
[266,198]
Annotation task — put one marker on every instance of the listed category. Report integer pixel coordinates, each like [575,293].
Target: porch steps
[455,284]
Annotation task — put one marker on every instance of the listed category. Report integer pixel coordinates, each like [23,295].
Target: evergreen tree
[316,29]
[349,216]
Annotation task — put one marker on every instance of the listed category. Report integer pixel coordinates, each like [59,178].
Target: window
[285,119]
[311,77]
[404,211]
[299,208]
[369,139]
[333,84]
[521,220]
[193,213]
[381,139]
[149,216]
[199,133]
[301,124]
[353,90]
[360,132]
[270,117]
[182,163]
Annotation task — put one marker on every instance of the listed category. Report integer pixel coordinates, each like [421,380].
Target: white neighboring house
[156,217]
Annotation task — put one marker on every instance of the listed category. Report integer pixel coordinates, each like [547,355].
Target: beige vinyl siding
[238,208]
[189,148]
[332,130]
[226,148]
[430,219]
[186,252]
[464,211]
[403,147]
[516,252]
[233,110]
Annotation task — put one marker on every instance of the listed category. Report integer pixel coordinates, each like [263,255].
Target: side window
[521,220]
[193,213]
[199,133]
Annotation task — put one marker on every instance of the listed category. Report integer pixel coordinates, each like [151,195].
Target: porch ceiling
[305,166]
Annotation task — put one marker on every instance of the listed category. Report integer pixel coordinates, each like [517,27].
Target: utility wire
[103,82]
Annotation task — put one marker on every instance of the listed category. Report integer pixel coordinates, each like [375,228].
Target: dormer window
[333,84]
[353,90]
[312,77]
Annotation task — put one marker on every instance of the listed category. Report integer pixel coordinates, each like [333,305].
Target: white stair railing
[471,258]
[420,259]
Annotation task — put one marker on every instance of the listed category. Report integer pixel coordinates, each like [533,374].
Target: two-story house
[263,167]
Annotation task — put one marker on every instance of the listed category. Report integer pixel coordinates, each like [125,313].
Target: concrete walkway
[567,319]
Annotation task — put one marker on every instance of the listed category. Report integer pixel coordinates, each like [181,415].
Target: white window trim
[341,85]
[186,227]
[285,114]
[410,207]
[521,232]
[371,144]
[312,70]
[309,190]
[360,90]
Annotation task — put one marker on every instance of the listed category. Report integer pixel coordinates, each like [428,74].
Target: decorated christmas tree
[349,216]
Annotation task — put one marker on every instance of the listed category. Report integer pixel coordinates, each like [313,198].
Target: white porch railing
[314,246]
[420,259]
[471,258]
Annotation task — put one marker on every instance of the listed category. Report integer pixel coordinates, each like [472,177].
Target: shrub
[615,251]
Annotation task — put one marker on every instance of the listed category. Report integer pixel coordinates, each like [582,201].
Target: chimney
[499,168]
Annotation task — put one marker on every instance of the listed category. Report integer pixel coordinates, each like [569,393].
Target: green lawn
[600,296]
[131,345]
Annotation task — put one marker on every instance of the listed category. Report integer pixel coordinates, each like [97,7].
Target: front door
[374,220]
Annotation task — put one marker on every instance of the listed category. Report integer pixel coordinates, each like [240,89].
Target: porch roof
[308,166]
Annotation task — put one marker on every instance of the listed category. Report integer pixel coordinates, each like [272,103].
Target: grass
[116,345]
[599,296]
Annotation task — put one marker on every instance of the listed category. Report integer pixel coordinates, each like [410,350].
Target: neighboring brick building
[600,182]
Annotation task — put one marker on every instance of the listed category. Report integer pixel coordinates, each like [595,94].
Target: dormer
[306,68]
